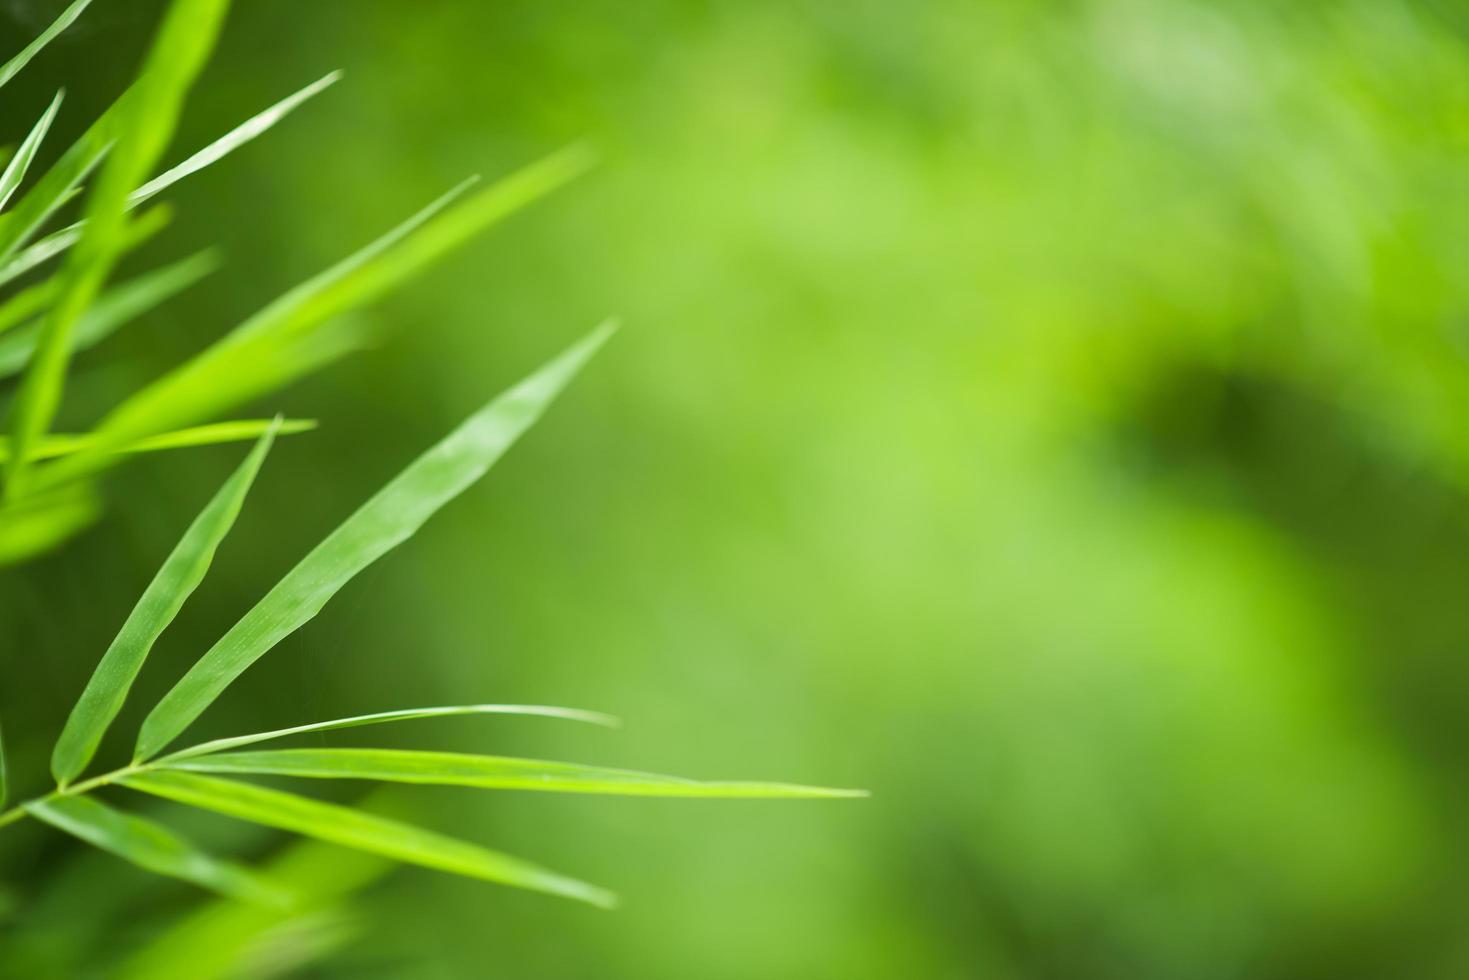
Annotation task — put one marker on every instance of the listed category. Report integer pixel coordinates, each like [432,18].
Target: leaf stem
[18,812]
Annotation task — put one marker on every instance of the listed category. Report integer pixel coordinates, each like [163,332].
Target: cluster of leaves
[269,348]
[49,478]
[191,775]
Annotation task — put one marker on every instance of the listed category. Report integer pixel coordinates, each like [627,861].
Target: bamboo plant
[49,492]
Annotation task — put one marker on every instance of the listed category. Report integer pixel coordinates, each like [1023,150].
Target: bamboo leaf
[15,171]
[249,360]
[13,67]
[384,717]
[151,846]
[363,831]
[115,308]
[181,573]
[140,230]
[386,520]
[243,363]
[220,940]
[486,772]
[239,430]
[41,521]
[219,432]
[33,256]
[62,181]
[184,42]
[233,140]
[26,304]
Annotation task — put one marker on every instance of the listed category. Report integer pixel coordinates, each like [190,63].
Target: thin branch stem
[18,812]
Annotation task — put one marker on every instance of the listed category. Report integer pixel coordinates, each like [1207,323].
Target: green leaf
[388,519]
[258,354]
[269,349]
[12,67]
[233,140]
[26,304]
[263,352]
[42,521]
[363,831]
[144,227]
[4,777]
[181,573]
[407,714]
[61,182]
[220,940]
[218,432]
[184,42]
[115,308]
[486,772]
[239,430]
[15,172]
[43,251]
[151,846]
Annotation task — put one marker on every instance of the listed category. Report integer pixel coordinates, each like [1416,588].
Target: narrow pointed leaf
[151,846]
[386,520]
[15,171]
[39,522]
[62,182]
[384,717]
[181,573]
[115,308]
[233,140]
[217,433]
[184,42]
[386,268]
[211,942]
[12,67]
[363,831]
[294,359]
[248,361]
[243,363]
[26,304]
[34,255]
[302,305]
[487,772]
[140,230]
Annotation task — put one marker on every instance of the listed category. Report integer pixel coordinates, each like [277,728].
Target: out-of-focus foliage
[1049,415]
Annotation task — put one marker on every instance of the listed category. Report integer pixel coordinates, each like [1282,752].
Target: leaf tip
[580,156]
[592,895]
[602,333]
[830,793]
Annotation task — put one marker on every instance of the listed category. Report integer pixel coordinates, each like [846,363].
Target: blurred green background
[1051,416]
